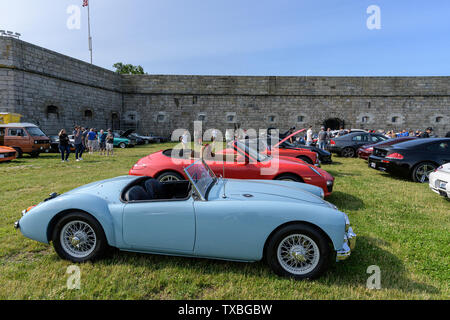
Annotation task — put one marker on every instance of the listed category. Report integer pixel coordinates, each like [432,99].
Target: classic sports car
[7,154]
[205,217]
[244,163]
[440,180]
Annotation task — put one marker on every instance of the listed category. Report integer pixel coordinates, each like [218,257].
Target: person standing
[184,140]
[341,132]
[78,141]
[102,142]
[64,147]
[309,136]
[427,133]
[92,136]
[84,141]
[213,140]
[322,138]
[110,143]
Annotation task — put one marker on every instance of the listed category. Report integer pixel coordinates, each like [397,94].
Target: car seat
[138,193]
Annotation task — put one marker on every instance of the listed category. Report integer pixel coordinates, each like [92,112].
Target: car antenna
[223,177]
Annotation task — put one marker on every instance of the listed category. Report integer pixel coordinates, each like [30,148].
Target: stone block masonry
[56,91]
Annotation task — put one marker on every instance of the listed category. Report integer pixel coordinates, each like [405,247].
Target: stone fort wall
[57,91]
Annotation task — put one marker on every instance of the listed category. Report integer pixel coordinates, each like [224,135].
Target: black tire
[424,167]
[306,159]
[315,266]
[19,152]
[289,177]
[122,145]
[101,244]
[348,152]
[170,176]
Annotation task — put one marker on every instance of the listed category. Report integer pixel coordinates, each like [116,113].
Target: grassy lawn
[403,228]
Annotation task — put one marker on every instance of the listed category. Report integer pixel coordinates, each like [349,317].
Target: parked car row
[27,138]
[200,204]
[423,160]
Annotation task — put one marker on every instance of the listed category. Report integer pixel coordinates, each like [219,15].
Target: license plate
[373,165]
[441,184]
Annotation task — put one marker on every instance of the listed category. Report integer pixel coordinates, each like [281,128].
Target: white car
[440,180]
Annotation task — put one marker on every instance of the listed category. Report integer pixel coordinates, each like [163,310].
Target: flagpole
[89,30]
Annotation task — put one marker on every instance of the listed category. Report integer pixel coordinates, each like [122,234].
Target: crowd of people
[86,140]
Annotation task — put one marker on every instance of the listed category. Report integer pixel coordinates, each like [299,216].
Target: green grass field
[402,227]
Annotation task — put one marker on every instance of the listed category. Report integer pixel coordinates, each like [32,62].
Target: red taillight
[395,155]
[332,142]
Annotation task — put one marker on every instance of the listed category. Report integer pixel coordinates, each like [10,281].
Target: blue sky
[246,37]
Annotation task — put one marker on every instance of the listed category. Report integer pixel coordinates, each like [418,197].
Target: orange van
[24,138]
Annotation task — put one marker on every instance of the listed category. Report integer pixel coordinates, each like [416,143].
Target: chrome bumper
[348,246]
[16,225]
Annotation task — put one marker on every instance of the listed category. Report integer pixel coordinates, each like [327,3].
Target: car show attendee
[185,140]
[341,132]
[110,143]
[84,140]
[78,142]
[64,147]
[102,142]
[91,137]
[427,133]
[309,136]
[322,138]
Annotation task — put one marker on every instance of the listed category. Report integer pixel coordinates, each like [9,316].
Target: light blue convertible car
[286,223]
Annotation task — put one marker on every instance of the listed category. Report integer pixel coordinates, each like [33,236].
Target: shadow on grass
[367,253]
[345,201]
[341,174]
[350,273]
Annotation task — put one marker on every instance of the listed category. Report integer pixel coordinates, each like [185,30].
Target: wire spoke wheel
[78,239]
[298,254]
[168,178]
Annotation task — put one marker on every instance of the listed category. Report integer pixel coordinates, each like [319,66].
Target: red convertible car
[245,163]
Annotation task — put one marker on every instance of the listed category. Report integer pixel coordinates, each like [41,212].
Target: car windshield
[35,132]
[251,148]
[201,177]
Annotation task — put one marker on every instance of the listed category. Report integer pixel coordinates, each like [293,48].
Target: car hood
[267,190]
[127,133]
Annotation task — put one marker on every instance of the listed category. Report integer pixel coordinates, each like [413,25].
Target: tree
[128,68]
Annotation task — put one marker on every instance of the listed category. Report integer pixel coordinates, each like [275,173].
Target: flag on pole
[85,3]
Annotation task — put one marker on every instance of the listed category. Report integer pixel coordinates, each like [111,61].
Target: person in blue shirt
[92,136]
[102,142]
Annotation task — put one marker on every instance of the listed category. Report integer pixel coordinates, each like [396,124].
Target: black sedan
[347,145]
[414,159]
[325,156]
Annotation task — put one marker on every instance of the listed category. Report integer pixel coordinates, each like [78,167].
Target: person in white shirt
[185,140]
[309,136]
